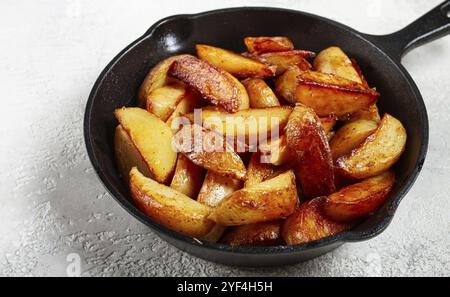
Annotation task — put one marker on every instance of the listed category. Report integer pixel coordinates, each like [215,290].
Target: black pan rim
[348,236]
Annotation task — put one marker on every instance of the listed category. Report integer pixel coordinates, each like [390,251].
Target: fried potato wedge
[127,155]
[157,77]
[350,136]
[190,101]
[308,224]
[215,85]
[188,177]
[260,94]
[260,45]
[371,114]
[334,61]
[286,84]
[377,153]
[144,128]
[359,200]
[233,63]
[268,201]
[276,152]
[163,101]
[259,234]
[258,172]
[169,207]
[307,142]
[216,187]
[283,60]
[210,151]
[328,94]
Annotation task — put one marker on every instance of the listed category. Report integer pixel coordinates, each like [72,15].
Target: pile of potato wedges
[325,166]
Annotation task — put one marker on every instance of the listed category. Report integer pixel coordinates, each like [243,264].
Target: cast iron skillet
[378,56]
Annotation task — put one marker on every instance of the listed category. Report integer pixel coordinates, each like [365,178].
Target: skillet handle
[433,25]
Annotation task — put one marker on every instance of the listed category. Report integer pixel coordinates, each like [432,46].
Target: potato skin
[307,142]
[188,177]
[263,44]
[216,187]
[259,234]
[260,94]
[359,200]
[267,201]
[283,60]
[308,224]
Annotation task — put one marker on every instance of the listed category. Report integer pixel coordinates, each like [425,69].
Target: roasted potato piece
[215,85]
[283,60]
[233,63]
[258,172]
[359,200]
[308,223]
[287,83]
[216,187]
[210,151]
[259,234]
[377,153]
[163,101]
[260,94]
[260,45]
[328,94]
[307,142]
[127,155]
[334,61]
[360,74]
[268,201]
[188,177]
[169,207]
[276,152]
[144,128]
[328,123]
[190,101]
[156,78]
[370,114]
[350,136]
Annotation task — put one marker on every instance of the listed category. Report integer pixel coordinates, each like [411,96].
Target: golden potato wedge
[260,94]
[216,187]
[127,155]
[209,150]
[259,234]
[188,177]
[258,172]
[169,207]
[350,136]
[328,94]
[233,63]
[286,84]
[276,152]
[283,60]
[260,45]
[152,138]
[156,78]
[190,101]
[334,61]
[267,201]
[377,153]
[163,101]
[307,142]
[359,200]
[308,224]
[215,85]
[371,114]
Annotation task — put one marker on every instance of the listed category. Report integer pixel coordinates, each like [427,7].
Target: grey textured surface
[53,205]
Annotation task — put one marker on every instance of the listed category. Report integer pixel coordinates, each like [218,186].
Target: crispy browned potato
[267,201]
[359,200]
[260,94]
[334,61]
[258,172]
[309,224]
[260,45]
[156,78]
[307,142]
[259,234]
[371,114]
[215,85]
[350,136]
[233,63]
[163,101]
[188,177]
[216,187]
[287,83]
[283,60]
[169,207]
[127,155]
[144,128]
[377,153]
[209,150]
[190,101]
[328,123]
[276,152]
[328,94]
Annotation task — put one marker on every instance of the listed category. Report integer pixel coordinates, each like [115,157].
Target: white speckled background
[52,204]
